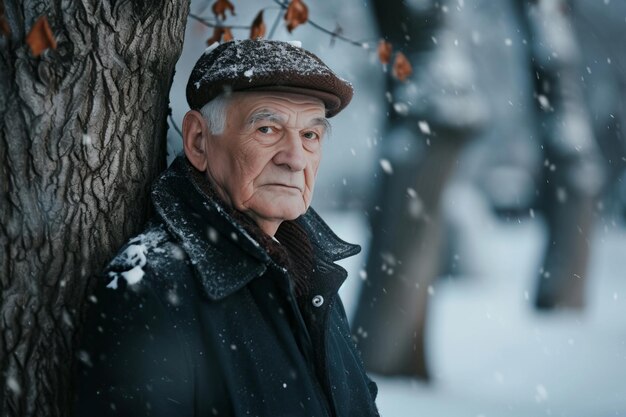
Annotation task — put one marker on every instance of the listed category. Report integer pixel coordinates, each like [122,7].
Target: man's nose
[291,153]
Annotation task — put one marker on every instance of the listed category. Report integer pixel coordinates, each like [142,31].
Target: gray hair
[214,112]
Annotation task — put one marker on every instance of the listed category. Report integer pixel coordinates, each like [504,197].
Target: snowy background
[492,355]
[490,352]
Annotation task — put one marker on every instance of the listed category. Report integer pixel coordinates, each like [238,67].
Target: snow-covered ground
[491,353]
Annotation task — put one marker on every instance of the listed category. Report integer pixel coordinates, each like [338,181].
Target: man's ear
[195,131]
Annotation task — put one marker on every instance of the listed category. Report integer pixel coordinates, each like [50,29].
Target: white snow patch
[297,44]
[211,47]
[135,255]
[134,275]
[249,73]
[113,283]
[86,139]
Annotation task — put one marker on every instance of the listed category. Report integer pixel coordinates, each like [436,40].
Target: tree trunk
[405,253]
[403,262]
[82,137]
[574,171]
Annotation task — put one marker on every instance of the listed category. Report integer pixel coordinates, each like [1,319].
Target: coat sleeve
[131,357]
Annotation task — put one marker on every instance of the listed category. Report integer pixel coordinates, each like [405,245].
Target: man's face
[265,161]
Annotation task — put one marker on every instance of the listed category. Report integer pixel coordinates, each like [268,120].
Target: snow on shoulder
[129,263]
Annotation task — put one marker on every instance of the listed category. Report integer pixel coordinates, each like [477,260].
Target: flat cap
[265,65]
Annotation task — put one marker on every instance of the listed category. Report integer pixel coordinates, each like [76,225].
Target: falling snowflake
[401,108]
[541,393]
[543,101]
[386,166]
[424,127]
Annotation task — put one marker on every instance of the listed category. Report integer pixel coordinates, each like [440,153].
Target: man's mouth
[295,187]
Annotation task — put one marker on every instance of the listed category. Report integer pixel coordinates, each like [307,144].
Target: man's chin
[283,213]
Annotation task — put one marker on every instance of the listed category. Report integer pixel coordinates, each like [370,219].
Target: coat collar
[224,255]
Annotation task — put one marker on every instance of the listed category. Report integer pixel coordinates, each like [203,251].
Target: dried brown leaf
[5,29]
[218,32]
[257,30]
[402,68]
[228,35]
[40,37]
[297,13]
[219,8]
[384,51]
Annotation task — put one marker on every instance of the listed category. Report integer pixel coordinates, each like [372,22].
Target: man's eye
[310,135]
[266,129]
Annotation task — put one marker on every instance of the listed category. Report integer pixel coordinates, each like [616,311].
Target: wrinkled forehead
[283,104]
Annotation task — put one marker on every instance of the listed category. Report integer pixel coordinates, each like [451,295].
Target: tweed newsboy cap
[265,65]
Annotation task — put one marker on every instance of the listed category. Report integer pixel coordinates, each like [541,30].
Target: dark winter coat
[194,318]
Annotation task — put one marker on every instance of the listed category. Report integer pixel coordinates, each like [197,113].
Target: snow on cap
[265,65]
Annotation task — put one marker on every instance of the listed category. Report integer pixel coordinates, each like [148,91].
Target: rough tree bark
[82,136]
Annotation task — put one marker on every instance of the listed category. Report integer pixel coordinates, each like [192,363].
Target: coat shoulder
[133,356]
[152,256]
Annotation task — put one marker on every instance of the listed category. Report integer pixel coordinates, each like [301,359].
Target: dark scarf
[294,252]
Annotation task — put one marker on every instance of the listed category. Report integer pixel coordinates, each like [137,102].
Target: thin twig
[283,5]
[323,29]
[216,25]
[343,38]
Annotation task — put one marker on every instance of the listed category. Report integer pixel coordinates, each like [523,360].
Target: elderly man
[227,304]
